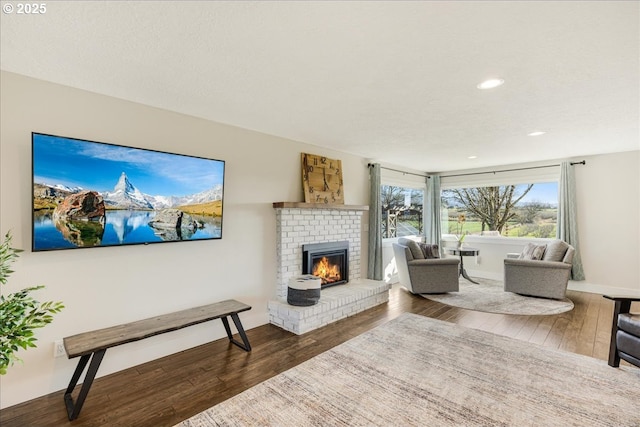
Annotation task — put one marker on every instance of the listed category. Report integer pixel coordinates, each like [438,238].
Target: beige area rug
[489,296]
[417,371]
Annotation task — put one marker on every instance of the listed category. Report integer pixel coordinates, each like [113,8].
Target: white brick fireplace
[304,223]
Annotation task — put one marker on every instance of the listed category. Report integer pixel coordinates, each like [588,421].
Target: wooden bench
[93,345]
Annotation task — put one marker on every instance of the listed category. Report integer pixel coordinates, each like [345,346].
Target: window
[402,208]
[512,210]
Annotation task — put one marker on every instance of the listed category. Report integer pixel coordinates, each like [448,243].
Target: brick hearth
[301,223]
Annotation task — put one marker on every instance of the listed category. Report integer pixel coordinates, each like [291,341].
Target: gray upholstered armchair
[541,270]
[422,271]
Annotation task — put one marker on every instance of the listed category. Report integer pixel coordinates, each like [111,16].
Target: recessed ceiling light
[472,157]
[490,84]
[536,133]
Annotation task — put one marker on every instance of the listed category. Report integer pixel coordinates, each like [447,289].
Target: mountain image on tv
[127,196]
[179,197]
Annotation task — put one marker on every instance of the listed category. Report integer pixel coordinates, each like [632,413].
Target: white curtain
[432,224]
[374,270]
[568,216]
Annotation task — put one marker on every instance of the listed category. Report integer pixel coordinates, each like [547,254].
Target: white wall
[102,287]
[608,188]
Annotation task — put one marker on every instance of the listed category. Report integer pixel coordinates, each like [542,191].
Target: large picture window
[516,210]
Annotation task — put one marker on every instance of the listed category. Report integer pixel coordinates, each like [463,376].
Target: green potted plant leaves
[20,313]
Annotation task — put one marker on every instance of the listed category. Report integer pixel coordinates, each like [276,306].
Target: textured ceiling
[390,81]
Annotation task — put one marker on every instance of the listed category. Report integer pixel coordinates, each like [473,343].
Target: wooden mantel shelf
[301,205]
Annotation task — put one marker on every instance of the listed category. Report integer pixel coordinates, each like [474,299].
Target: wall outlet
[58,349]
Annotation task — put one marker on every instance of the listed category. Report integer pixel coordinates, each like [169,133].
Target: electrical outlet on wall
[58,349]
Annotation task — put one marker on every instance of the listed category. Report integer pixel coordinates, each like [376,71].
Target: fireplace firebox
[329,261]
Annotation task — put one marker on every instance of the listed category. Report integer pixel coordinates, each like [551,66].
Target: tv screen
[89,194]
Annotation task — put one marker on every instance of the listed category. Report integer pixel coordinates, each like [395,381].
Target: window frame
[404,180]
[486,178]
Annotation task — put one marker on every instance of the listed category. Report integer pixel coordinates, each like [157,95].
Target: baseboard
[595,288]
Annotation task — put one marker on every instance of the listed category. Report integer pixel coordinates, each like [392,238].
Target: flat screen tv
[90,194]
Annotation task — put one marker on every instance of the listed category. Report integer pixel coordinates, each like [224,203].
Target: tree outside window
[522,210]
[402,210]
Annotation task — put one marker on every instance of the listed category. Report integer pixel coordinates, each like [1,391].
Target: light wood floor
[168,390]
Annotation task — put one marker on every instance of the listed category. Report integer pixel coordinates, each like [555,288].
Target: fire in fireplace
[329,261]
[327,270]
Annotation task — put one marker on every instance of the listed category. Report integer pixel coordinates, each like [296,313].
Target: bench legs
[245,341]
[619,307]
[73,409]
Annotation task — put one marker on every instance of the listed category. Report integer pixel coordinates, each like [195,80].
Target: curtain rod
[512,170]
[370,165]
[480,173]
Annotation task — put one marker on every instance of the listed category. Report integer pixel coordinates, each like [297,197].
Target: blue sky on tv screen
[98,166]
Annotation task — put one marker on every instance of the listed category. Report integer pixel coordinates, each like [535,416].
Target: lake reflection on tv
[121,227]
[90,194]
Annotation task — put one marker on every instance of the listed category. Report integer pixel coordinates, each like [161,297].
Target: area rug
[489,296]
[417,371]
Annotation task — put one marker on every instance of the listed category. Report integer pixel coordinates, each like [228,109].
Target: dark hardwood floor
[168,390]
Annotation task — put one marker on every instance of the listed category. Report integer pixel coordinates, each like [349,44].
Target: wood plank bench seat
[93,344]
